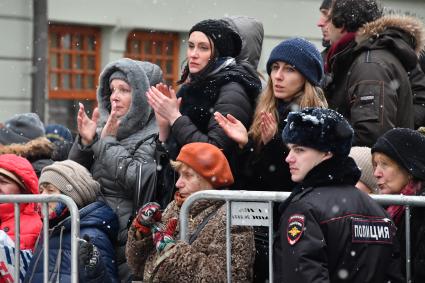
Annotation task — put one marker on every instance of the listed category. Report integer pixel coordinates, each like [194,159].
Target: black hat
[326,4]
[226,40]
[406,147]
[321,129]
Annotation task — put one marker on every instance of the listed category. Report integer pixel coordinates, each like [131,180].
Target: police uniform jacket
[329,231]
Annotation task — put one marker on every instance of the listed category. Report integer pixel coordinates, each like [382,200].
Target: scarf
[338,47]
[397,211]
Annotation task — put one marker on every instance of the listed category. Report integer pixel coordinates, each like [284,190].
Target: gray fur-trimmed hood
[412,27]
[140,75]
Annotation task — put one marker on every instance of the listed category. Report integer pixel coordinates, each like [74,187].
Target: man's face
[334,33]
[323,23]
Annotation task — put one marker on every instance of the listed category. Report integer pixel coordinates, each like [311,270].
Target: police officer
[329,231]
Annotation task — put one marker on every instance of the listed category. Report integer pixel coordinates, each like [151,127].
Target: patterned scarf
[59,212]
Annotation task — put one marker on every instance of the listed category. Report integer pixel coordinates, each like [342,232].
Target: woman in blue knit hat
[330,231]
[295,69]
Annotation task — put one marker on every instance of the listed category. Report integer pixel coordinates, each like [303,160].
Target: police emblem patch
[295,228]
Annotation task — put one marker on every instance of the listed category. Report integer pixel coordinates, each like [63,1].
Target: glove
[163,236]
[147,215]
[88,254]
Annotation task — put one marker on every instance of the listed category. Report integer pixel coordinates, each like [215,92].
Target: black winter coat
[417,238]
[329,231]
[231,90]
[265,169]
[369,82]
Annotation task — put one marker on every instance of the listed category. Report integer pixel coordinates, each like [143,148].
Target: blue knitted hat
[56,132]
[319,128]
[302,54]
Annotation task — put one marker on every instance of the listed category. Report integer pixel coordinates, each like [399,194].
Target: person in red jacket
[17,176]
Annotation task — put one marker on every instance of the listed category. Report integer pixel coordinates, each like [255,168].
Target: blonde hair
[177,165]
[310,96]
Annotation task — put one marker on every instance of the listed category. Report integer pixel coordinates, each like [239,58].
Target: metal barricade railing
[75,229]
[270,197]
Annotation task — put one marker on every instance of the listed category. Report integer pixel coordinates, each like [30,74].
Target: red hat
[208,161]
[22,171]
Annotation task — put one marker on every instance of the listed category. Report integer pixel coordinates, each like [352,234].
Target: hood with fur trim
[140,75]
[35,149]
[404,36]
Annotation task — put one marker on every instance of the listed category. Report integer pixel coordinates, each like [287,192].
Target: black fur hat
[226,40]
[321,129]
[406,147]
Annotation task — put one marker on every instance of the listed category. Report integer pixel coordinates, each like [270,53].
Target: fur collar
[410,25]
[334,171]
[35,149]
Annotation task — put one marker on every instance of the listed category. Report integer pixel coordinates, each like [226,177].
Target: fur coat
[202,261]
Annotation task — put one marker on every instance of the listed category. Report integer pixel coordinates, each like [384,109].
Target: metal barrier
[75,229]
[253,197]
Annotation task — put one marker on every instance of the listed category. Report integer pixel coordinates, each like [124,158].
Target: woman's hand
[87,126]
[111,126]
[233,128]
[268,127]
[162,123]
[166,108]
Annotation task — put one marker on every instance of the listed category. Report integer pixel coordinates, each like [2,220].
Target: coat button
[6,229]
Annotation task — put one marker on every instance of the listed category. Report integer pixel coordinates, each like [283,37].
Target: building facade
[84,35]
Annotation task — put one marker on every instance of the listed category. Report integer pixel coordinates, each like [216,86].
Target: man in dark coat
[330,231]
[368,68]
[322,24]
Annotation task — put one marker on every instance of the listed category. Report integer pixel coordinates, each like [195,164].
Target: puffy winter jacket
[113,161]
[97,221]
[31,224]
[330,231]
[369,82]
[230,90]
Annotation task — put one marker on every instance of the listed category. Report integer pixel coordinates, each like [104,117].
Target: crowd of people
[329,127]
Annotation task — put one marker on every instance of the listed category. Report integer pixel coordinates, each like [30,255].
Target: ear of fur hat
[73,180]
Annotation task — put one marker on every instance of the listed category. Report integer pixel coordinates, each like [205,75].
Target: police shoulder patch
[295,228]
